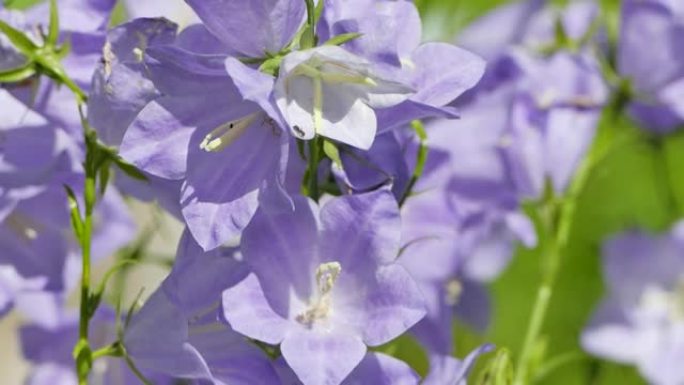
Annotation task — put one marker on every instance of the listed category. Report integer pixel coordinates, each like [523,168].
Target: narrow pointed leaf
[18,74]
[343,38]
[53,32]
[20,41]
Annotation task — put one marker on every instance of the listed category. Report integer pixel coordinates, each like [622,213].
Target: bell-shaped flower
[48,347]
[331,92]
[641,320]
[324,285]
[652,36]
[228,153]
[179,332]
[390,40]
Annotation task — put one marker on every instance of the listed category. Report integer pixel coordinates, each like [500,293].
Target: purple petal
[381,307]
[281,248]
[247,309]
[361,230]
[263,26]
[321,358]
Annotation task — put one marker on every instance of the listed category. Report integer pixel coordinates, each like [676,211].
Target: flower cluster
[340,182]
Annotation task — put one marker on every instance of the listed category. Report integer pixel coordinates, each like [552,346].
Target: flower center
[24,227]
[452,291]
[667,302]
[328,72]
[320,306]
[227,133]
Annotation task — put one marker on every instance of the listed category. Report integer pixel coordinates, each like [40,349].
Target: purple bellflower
[178,332]
[652,36]
[641,321]
[390,41]
[324,285]
[331,92]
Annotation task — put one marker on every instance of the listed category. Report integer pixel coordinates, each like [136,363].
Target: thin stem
[314,159]
[311,22]
[113,350]
[85,311]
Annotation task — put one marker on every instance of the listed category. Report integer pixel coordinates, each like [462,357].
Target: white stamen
[326,276]
[453,291]
[227,133]
[23,226]
[667,302]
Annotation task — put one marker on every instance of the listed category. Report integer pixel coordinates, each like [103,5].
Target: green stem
[83,368]
[314,159]
[559,242]
[113,350]
[311,22]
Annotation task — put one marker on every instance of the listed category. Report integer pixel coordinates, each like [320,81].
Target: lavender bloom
[375,368]
[39,253]
[641,321]
[226,151]
[391,35]
[178,331]
[553,123]
[48,347]
[331,92]
[325,285]
[651,37]
[120,85]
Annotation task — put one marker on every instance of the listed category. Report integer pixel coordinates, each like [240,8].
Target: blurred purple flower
[178,332]
[325,286]
[390,40]
[652,37]
[48,347]
[641,321]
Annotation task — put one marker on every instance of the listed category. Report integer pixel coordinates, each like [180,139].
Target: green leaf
[53,32]
[271,66]
[104,177]
[18,74]
[97,295]
[75,214]
[20,41]
[129,169]
[499,370]
[331,151]
[343,38]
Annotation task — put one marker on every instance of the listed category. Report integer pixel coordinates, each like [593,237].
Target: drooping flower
[331,92]
[651,36]
[48,346]
[437,73]
[39,251]
[324,286]
[179,332]
[226,151]
[641,321]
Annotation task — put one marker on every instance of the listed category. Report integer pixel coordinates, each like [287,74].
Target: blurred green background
[638,185]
